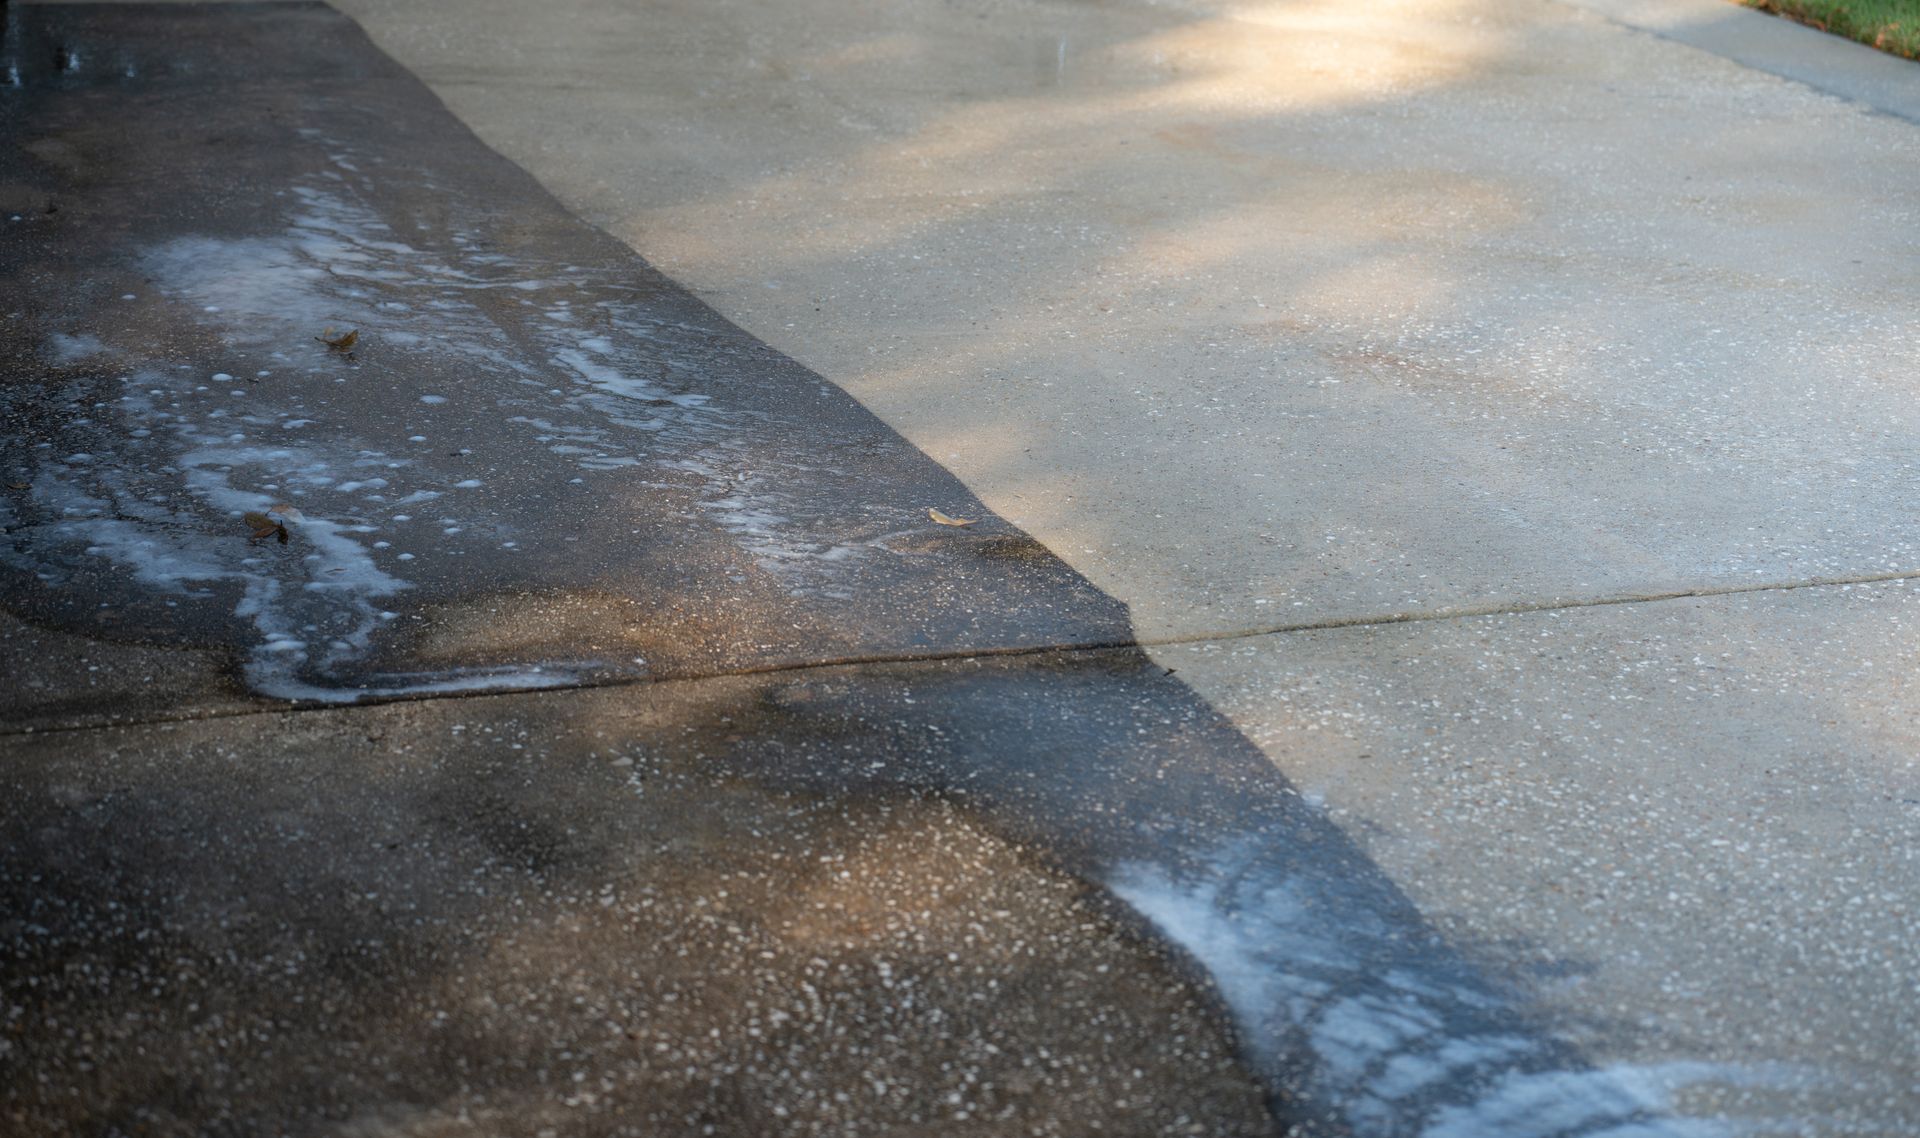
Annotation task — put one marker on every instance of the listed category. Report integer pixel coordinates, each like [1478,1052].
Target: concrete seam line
[306,706]
[1466,612]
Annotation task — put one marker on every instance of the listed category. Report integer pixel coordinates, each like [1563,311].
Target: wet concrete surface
[540,463]
[734,513]
[559,915]
[319,877]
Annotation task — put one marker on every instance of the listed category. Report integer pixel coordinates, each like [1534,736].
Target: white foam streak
[1380,1049]
[163,499]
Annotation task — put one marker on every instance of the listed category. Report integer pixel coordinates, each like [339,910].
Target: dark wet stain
[282,273]
[1014,547]
[403,936]
[1011,547]
[467,845]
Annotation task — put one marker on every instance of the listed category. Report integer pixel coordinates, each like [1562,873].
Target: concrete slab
[553,916]
[1413,310]
[1690,829]
[1268,315]
[539,463]
[336,877]
[356,195]
[1272,312]
[1794,51]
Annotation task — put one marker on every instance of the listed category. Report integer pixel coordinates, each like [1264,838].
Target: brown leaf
[264,526]
[285,511]
[339,343]
[944,520]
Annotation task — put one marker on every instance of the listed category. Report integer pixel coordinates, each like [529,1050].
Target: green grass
[1893,26]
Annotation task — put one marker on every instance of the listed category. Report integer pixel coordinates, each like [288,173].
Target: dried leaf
[264,526]
[944,520]
[285,511]
[339,343]
[19,486]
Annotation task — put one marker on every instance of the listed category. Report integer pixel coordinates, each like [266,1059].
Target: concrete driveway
[1498,413]
[1505,415]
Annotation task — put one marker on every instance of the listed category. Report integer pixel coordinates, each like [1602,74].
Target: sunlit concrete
[1265,313]
[1690,829]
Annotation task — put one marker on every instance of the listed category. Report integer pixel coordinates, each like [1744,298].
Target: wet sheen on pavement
[539,463]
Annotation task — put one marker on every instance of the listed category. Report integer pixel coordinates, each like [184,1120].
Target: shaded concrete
[1827,63]
[556,915]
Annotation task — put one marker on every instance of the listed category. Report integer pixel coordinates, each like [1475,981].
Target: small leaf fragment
[339,343]
[944,520]
[284,510]
[264,526]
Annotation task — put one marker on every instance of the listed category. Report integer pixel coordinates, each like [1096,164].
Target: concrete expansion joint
[822,664]
[1464,612]
[1055,651]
